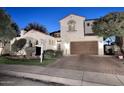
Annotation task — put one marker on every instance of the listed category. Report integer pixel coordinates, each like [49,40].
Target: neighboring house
[35,39]
[75,37]
[56,35]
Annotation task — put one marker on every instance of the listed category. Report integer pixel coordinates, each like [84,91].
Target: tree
[18,45]
[6,30]
[37,27]
[16,28]
[110,25]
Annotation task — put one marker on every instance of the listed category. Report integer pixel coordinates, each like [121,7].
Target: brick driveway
[91,63]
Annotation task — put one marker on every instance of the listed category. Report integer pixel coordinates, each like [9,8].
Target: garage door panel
[90,47]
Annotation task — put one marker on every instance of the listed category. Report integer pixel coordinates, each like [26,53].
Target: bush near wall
[58,53]
[29,51]
[48,54]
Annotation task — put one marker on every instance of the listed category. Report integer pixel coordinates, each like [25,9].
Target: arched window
[30,43]
[37,42]
[71,25]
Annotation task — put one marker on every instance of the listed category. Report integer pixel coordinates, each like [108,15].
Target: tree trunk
[122,48]
[120,43]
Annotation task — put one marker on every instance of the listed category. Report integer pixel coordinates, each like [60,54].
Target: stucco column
[1,49]
[66,48]
[100,47]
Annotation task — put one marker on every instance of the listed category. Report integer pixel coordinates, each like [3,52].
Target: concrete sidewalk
[63,76]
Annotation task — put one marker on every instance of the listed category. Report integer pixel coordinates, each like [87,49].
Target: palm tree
[37,27]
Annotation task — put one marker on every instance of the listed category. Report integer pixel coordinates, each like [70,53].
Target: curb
[45,78]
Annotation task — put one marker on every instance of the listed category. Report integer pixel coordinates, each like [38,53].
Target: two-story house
[77,36]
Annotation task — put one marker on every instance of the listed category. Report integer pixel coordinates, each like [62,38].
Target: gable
[72,16]
[37,35]
[72,26]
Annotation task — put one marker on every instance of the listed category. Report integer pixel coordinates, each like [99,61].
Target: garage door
[88,47]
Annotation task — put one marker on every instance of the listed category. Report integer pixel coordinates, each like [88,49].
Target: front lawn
[5,60]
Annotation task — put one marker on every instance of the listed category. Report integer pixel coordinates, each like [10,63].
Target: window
[37,42]
[49,42]
[88,24]
[58,40]
[30,43]
[57,34]
[58,47]
[71,25]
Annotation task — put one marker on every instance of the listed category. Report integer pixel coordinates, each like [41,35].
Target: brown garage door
[88,47]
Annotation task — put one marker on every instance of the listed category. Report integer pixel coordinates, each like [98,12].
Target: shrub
[58,53]
[18,45]
[52,54]
[29,51]
[49,54]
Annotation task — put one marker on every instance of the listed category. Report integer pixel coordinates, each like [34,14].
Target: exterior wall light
[67,45]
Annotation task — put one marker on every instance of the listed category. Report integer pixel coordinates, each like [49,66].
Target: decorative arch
[71,25]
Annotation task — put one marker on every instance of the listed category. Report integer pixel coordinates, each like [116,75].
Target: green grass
[5,60]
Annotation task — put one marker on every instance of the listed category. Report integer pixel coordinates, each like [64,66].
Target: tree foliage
[16,28]
[6,30]
[18,45]
[35,26]
[110,25]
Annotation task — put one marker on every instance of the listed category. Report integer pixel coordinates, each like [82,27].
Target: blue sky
[50,16]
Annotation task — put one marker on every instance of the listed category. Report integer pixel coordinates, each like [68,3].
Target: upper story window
[57,35]
[71,25]
[88,24]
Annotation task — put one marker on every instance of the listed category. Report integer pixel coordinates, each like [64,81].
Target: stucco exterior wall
[78,35]
[1,51]
[88,26]
[1,48]
[67,35]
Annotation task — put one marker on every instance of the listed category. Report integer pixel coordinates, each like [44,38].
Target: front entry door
[38,51]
